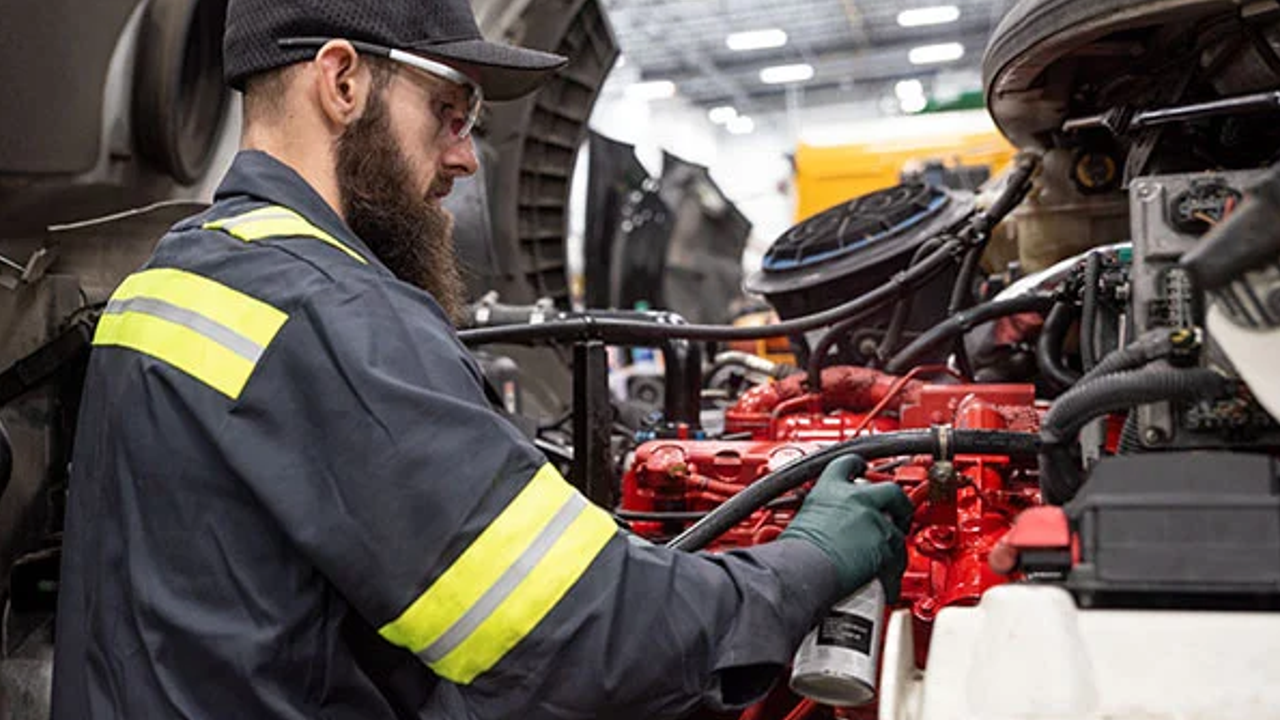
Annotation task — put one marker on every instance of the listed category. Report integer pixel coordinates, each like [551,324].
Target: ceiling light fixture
[723,114]
[913,104]
[929,54]
[741,125]
[756,39]
[908,89]
[786,74]
[651,90]
[936,15]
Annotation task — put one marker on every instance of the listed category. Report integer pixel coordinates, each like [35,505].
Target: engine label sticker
[847,631]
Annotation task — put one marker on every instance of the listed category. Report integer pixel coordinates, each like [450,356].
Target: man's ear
[343,82]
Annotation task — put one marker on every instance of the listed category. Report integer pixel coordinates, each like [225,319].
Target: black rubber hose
[961,291]
[1089,311]
[963,322]
[961,299]
[940,441]
[1060,479]
[575,328]
[1150,347]
[1049,347]
[818,357]
[691,515]
[902,309]
[1015,190]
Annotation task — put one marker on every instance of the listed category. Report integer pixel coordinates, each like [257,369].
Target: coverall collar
[256,174]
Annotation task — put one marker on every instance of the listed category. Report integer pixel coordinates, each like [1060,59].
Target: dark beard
[412,237]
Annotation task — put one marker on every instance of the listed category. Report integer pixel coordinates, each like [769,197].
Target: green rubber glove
[860,527]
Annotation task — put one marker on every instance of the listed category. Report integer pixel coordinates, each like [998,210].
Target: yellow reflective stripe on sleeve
[277,221]
[232,309]
[506,581]
[532,599]
[201,327]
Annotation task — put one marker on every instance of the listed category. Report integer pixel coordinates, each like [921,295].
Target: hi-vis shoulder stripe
[277,221]
[506,581]
[201,327]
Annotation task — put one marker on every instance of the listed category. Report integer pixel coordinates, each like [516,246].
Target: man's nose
[460,158]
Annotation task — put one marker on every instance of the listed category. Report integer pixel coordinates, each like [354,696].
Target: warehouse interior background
[731,235]
[740,85]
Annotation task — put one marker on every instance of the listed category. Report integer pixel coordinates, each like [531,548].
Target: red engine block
[963,507]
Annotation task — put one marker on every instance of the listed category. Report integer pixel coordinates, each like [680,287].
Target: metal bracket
[592,423]
[13,273]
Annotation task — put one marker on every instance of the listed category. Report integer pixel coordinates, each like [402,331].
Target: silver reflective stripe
[252,218]
[499,591]
[221,334]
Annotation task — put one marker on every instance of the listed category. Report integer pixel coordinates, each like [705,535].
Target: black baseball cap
[443,30]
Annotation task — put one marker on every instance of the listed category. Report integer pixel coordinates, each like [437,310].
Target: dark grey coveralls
[290,499]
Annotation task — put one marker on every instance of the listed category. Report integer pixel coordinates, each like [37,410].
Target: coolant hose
[939,441]
[1049,347]
[963,322]
[1060,479]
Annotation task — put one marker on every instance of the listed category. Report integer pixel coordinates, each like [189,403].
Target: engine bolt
[1153,436]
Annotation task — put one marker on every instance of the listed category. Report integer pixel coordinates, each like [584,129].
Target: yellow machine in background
[828,176]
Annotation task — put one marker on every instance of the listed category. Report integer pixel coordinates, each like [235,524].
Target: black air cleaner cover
[854,247]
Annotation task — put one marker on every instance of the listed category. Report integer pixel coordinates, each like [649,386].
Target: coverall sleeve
[366,434]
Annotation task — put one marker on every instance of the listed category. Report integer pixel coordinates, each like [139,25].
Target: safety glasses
[460,126]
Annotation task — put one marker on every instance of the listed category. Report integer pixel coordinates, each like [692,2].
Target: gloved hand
[860,527]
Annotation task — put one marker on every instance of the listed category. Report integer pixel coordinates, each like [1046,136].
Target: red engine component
[964,505]
[676,477]
[785,410]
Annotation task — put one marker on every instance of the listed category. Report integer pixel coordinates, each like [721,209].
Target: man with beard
[289,498]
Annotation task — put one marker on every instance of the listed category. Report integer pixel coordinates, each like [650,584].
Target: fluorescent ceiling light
[936,15]
[908,89]
[741,125]
[651,90]
[756,39]
[926,54]
[913,104]
[786,73]
[723,114]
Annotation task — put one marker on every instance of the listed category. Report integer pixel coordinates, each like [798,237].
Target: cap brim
[503,71]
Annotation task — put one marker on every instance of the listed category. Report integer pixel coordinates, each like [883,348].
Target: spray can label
[838,662]
[846,630]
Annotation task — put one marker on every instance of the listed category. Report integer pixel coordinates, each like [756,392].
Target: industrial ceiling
[857,49]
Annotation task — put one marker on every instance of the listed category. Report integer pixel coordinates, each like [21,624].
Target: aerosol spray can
[838,661]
